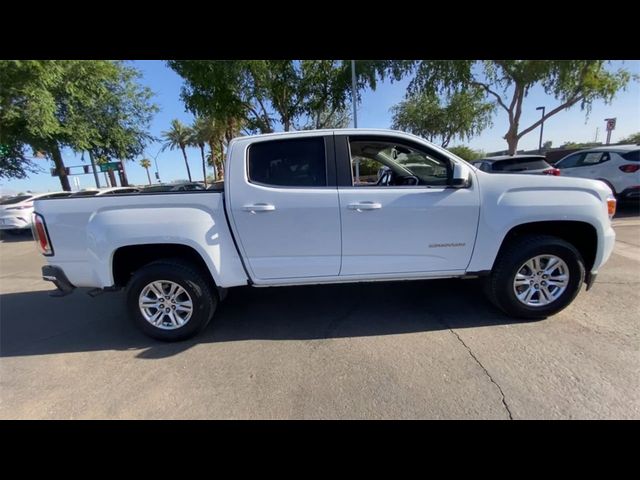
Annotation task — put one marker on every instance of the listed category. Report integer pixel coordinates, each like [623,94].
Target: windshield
[18,199]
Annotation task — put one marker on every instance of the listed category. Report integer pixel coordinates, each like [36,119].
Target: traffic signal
[85,168]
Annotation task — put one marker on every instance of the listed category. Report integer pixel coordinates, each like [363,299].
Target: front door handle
[360,206]
[259,207]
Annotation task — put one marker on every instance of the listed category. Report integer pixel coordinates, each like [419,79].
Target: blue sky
[373,112]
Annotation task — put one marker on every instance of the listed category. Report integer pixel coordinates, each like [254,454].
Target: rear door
[286,211]
[408,222]
[584,164]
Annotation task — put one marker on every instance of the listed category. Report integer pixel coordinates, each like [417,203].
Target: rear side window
[289,163]
[633,156]
[520,165]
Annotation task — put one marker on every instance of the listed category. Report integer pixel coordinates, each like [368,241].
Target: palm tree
[146,163]
[211,131]
[200,134]
[179,136]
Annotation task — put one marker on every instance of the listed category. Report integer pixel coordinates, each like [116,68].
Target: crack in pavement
[504,401]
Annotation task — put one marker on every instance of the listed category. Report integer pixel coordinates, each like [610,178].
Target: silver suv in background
[532,164]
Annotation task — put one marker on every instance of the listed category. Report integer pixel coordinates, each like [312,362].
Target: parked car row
[618,166]
[15,211]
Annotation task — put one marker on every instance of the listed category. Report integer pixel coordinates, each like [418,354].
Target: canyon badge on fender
[446,245]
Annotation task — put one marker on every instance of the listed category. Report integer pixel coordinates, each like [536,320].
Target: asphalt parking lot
[427,349]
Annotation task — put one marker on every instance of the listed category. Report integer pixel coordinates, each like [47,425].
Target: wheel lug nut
[174,307]
[168,310]
[161,305]
[536,286]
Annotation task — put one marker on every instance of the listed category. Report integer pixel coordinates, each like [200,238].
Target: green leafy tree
[508,82]
[13,161]
[547,145]
[633,138]
[464,115]
[93,105]
[208,131]
[199,139]
[466,153]
[568,145]
[146,164]
[260,93]
[178,136]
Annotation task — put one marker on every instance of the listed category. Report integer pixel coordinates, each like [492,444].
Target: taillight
[41,235]
[628,168]
[611,206]
[552,171]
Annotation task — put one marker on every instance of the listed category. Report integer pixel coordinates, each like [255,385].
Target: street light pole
[541,130]
[354,100]
[155,162]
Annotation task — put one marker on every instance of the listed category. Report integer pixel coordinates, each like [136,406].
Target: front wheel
[536,276]
[170,300]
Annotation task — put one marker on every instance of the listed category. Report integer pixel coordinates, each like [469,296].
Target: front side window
[289,163]
[386,163]
[571,161]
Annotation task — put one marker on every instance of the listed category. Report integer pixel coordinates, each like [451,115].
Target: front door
[286,211]
[398,213]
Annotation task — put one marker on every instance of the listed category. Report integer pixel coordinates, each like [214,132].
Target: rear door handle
[360,206]
[259,207]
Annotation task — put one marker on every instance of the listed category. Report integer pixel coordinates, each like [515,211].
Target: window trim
[329,160]
[343,160]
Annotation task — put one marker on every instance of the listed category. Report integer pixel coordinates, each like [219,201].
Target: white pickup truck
[331,206]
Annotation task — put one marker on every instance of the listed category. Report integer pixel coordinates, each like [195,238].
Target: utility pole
[354,100]
[541,129]
[595,140]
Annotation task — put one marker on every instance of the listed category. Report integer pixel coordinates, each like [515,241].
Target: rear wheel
[170,300]
[536,276]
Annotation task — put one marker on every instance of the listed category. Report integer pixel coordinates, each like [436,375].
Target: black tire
[203,296]
[499,285]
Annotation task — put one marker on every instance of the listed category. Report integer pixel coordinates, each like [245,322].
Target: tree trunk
[148,176]
[204,164]
[59,163]
[186,162]
[124,181]
[512,141]
[112,179]
[213,161]
[221,166]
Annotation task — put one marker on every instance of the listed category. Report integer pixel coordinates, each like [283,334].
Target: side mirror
[461,176]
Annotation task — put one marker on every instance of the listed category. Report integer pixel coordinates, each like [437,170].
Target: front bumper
[54,274]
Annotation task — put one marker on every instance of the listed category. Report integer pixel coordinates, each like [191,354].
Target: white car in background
[92,192]
[617,166]
[15,212]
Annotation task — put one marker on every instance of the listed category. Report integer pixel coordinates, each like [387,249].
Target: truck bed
[87,231]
